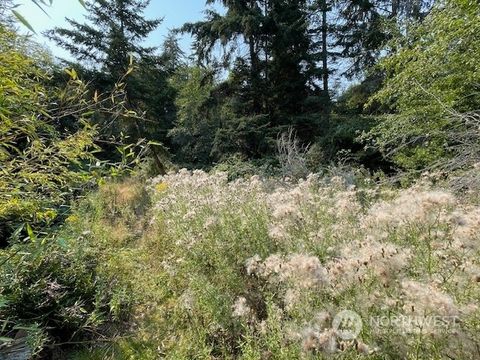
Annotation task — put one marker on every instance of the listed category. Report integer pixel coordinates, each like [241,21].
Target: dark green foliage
[197,116]
[54,286]
[341,143]
[355,98]
[113,32]
[365,26]
[238,166]
[247,135]
[271,88]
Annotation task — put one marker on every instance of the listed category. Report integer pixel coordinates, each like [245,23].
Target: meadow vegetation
[258,268]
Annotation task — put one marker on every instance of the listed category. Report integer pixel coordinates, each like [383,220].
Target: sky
[174,12]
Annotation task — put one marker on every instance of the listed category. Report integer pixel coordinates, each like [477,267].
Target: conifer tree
[106,44]
[364,26]
[269,52]
[113,32]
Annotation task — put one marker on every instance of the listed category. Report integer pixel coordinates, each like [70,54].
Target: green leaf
[17,231]
[82,2]
[30,233]
[26,328]
[62,243]
[72,73]
[3,302]
[23,20]
[40,6]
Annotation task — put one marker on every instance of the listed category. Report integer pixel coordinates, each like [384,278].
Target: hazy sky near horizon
[174,12]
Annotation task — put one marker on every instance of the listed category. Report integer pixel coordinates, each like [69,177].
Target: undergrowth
[260,268]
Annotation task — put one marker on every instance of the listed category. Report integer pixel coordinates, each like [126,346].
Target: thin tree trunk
[253,64]
[324,47]
[395,8]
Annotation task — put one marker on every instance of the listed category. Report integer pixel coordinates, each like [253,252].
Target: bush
[72,286]
[51,280]
[341,142]
[53,286]
[238,166]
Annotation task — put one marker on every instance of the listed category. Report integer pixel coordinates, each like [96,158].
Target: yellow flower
[72,219]
[162,186]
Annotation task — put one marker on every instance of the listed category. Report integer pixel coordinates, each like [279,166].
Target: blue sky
[174,12]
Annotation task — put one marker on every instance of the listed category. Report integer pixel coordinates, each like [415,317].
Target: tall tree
[113,32]
[364,27]
[320,31]
[269,53]
[107,43]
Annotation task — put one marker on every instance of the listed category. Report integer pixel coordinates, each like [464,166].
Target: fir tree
[106,44]
[272,74]
[113,33]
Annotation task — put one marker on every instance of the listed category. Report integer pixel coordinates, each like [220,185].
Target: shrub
[238,166]
[51,283]
[53,287]
[47,144]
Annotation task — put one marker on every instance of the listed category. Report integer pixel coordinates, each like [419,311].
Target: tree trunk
[324,48]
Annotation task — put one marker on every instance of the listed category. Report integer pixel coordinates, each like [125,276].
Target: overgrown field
[260,268]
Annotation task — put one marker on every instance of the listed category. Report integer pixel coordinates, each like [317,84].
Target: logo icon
[347,324]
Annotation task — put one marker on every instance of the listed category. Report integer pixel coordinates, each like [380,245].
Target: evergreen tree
[113,33]
[288,46]
[364,27]
[273,76]
[106,45]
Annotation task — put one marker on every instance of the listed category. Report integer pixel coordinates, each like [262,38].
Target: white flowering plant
[259,268]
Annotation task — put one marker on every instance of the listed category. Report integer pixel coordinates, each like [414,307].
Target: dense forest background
[264,68]
[281,88]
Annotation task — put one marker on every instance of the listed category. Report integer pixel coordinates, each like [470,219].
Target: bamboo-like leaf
[72,73]
[40,6]
[30,233]
[23,20]
[17,231]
